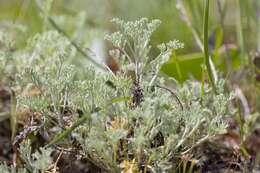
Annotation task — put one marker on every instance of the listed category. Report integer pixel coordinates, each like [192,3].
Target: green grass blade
[13,114]
[206,45]
[68,131]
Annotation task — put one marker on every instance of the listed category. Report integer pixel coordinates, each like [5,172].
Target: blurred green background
[234,27]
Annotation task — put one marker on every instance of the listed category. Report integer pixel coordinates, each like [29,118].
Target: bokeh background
[234,28]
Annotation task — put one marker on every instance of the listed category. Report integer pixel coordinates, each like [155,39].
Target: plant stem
[13,118]
[202,84]
[75,45]
[240,33]
[206,46]
[173,93]
[87,55]
[68,131]
[187,20]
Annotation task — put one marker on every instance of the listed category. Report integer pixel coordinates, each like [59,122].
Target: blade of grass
[203,68]
[120,99]
[206,45]
[68,131]
[241,120]
[240,33]
[176,59]
[221,9]
[184,166]
[187,20]
[258,25]
[13,114]
[187,57]
[193,162]
[243,25]
[74,44]
[218,43]
[80,121]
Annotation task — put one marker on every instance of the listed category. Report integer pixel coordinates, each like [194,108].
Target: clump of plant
[116,121]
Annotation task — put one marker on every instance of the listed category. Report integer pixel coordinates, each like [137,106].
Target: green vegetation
[173,87]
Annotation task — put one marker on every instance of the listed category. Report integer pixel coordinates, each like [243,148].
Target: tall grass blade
[206,46]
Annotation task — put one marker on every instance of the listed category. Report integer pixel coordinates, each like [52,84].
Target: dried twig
[173,93]
[53,168]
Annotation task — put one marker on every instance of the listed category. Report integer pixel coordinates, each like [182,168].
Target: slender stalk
[184,166]
[186,136]
[240,31]
[68,131]
[193,162]
[187,20]
[205,138]
[13,118]
[173,93]
[74,44]
[222,12]
[202,84]
[241,120]
[206,46]
[88,55]
[258,25]
[59,137]
[245,55]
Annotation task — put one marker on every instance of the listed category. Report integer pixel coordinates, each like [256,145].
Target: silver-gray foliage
[155,131]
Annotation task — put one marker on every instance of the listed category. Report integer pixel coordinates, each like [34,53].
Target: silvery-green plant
[6,55]
[159,127]
[133,40]
[38,162]
[103,121]
[11,169]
